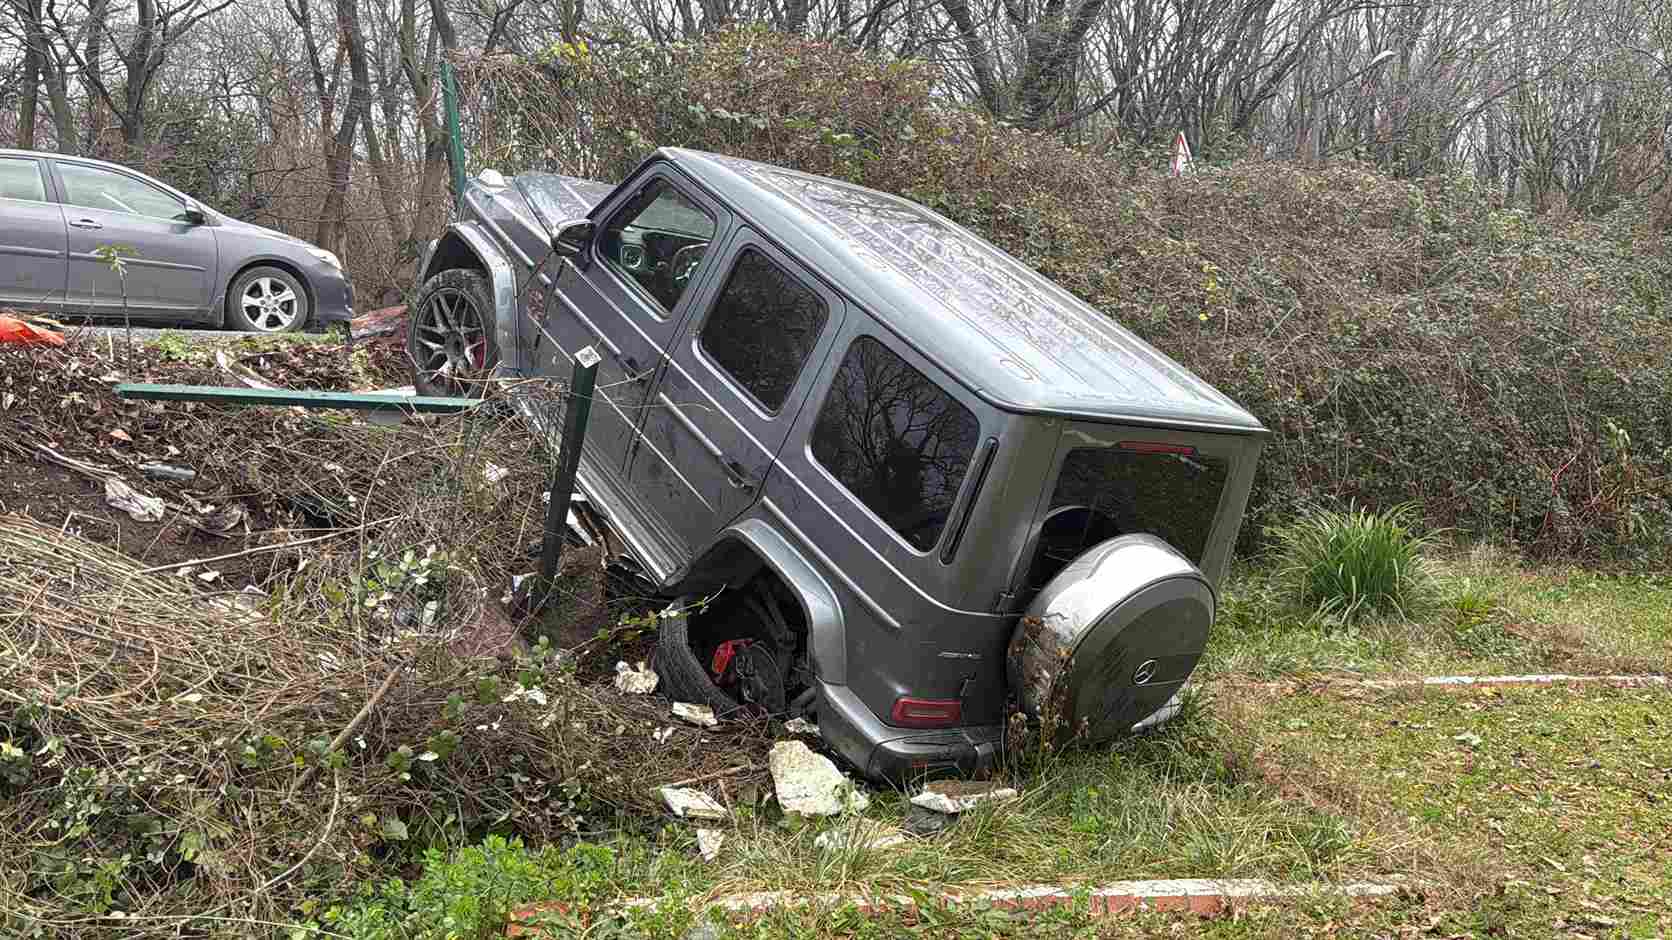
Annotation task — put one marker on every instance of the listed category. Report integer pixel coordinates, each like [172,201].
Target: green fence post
[581,384]
[455,140]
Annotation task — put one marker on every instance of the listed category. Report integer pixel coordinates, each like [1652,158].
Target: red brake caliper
[721,666]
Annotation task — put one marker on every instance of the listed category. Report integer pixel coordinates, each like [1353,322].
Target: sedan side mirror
[572,237]
[194,214]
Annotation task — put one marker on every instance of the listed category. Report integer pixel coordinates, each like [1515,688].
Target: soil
[62,398]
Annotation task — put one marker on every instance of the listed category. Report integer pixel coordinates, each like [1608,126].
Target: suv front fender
[466,245]
[826,632]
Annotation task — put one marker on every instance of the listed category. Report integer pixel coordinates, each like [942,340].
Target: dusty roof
[1001,328]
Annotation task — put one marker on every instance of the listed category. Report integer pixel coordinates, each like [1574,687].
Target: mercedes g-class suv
[916,482]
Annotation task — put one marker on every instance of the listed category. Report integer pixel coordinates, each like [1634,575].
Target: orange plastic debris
[13,330]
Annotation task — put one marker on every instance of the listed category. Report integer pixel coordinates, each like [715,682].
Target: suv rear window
[1102,492]
[895,440]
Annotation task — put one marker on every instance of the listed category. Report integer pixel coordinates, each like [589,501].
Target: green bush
[468,895]
[1405,342]
[1350,564]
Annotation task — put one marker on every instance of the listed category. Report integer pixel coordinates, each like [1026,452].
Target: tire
[684,677]
[266,299]
[450,335]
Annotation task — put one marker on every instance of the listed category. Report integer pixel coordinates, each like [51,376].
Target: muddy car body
[926,482]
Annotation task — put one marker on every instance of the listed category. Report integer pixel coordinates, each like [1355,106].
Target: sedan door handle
[85,223]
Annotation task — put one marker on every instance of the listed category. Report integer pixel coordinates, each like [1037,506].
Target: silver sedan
[83,237]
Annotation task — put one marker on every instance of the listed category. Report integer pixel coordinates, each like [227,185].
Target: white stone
[809,783]
[635,681]
[861,834]
[954,799]
[709,842]
[689,803]
[700,715]
[801,726]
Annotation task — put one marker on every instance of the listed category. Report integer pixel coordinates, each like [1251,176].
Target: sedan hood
[249,229]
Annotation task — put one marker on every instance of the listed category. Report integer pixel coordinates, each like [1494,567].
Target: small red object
[13,330]
[723,656]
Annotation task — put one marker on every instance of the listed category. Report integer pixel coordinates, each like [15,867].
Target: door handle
[737,476]
[85,223]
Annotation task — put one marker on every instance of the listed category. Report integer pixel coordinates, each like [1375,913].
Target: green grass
[1352,564]
[1524,812]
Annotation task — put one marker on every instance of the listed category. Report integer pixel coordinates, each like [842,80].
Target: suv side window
[93,188]
[763,327]
[895,440]
[657,240]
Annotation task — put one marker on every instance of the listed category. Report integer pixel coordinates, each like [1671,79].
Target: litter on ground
[801,726]
[709,842]
[142,508]
[861,834]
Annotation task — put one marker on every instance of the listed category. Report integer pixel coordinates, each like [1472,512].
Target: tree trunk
[339,162]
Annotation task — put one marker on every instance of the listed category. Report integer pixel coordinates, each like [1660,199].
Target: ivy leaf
[394,830]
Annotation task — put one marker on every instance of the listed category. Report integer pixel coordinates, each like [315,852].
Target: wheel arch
[467,246]
[751,545]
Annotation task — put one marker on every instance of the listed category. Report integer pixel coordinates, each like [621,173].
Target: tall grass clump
[1354,563]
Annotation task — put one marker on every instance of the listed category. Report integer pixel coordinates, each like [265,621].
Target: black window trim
[964,508]
[698,197]
[742,240]
[937,377]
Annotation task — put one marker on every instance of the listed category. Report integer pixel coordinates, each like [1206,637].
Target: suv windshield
[1169,491]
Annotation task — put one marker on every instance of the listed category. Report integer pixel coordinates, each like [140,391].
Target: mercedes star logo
[1144,673]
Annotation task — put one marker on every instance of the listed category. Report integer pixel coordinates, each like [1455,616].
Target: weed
[1350,564]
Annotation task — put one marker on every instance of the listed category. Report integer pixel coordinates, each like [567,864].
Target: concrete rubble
[709,842]
[956,796]
[699,715]
[691,803]
[861,834]
[809,784]
[640,680]
[801,726]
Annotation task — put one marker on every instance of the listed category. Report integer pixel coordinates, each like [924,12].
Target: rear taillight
[1156,447]
[927,712]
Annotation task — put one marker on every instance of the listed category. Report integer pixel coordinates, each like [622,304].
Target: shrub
[1353,563]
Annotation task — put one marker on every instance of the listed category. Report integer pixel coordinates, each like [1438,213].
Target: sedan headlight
[326,257]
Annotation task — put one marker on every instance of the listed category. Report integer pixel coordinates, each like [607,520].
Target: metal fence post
[455,140]
[579,408]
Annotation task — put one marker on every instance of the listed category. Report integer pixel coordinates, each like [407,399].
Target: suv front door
[733,385]
[627,299]
[169,263]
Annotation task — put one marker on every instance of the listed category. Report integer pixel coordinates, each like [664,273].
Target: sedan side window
[657,239]
[763,328]
[21,179]
[895,440]
[93,188]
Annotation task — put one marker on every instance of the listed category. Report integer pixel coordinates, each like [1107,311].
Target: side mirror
[194,214]
[572,237]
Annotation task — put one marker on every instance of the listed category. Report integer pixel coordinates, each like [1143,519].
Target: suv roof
[1013,336]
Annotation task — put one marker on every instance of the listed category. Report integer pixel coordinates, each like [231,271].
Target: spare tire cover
[1112,637]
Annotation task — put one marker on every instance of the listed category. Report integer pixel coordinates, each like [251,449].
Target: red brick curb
[1197,895]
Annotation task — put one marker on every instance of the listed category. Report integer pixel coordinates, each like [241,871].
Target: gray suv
[183,262]
[914,484]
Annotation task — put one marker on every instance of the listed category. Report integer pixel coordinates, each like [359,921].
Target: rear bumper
[894,755]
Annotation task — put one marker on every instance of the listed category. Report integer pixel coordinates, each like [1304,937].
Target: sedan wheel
[267,300]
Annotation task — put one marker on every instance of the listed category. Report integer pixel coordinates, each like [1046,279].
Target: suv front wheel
[450,335]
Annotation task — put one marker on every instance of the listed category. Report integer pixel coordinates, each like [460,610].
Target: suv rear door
[32,241]
[734,382]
